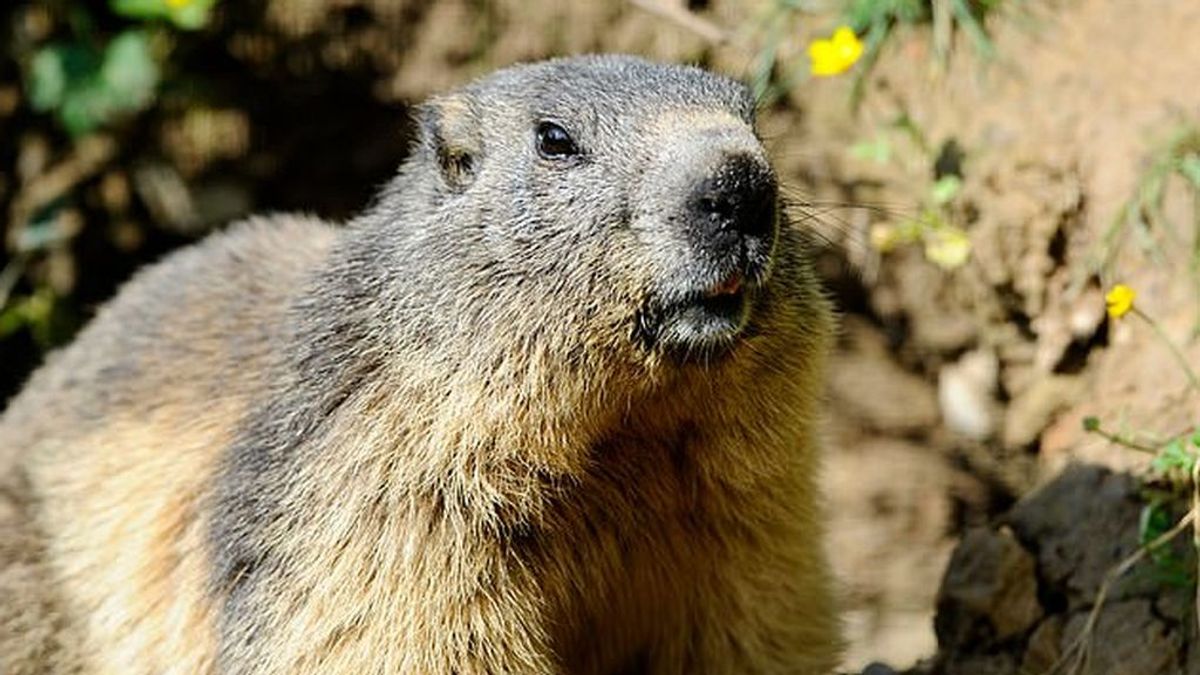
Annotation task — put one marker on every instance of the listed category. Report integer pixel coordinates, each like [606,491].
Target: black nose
[738,197]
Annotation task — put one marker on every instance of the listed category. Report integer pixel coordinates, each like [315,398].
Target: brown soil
[1056,134]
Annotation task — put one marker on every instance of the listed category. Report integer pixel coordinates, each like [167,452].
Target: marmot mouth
[732,285]
[699,324]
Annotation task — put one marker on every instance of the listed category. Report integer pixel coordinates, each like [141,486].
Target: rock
[979,664]
[1005,610]
[1044,647]
[1087,313]
[966,394]
[989,593]
[1128,639]
[1066,521]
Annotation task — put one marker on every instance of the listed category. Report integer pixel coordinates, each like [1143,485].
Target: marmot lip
[732,285]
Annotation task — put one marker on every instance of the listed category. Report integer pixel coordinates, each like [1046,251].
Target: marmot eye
[553,142]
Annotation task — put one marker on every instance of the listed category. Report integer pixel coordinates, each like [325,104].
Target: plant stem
[1193,380]
[1196,531]
[1121,440]
[10,275]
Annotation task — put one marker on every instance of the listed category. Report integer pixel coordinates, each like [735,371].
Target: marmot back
[546,407]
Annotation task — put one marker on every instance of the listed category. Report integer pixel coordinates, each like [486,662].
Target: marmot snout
[546,407]
[717,232]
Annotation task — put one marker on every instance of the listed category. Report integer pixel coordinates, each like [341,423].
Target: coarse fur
[488,427]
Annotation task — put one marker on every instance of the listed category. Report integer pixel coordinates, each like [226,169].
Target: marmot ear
[450,133]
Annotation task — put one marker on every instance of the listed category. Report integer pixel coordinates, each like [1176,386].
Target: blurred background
[980,173]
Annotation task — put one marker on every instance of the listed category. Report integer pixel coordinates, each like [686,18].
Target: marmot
[547,406]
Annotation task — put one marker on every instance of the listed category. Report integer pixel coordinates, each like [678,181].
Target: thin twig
[677,13]
[89,156]
[1196,532]
[9,277]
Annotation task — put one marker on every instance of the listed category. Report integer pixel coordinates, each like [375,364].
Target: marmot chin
[547,406]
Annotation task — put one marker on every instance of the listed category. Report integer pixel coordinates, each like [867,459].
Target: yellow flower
[948,248]
[884,238]
[1120,300]
[178,4]
[835,55]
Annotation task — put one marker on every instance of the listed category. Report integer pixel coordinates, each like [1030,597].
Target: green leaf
[1091,423]
[32,310]
[85,109]
[185,14]
[47,79]
[945,189]
[193,15]
[971,25]
[863,13]
[55,70]
[139,9]
[878,150]
[1153,522]
[11,320]
[1189,167]
[130,72]
[87,88]
[1174,455]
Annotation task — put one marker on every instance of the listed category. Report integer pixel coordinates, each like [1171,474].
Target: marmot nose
[738,197]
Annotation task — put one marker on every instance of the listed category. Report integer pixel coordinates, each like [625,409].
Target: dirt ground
[954,394]
[1014,346]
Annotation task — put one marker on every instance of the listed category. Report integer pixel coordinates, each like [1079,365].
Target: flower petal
[1119,300]
[835,55]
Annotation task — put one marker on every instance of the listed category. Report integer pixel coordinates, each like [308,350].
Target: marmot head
[620,197]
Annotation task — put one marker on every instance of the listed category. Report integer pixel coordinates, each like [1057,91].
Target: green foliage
[1156,519]
[863,15]
[1173,473]
[185,14]
[945,189]
[877,18]
[878,149]
[1189,168]
[89,81]
[874,21]
[1143,214]
[32,310]
[48,320]
[87,77]
[1170,480]
[766,84]
[87,88]
[877,21]
[1173,467]
[935,228]
[1178,455]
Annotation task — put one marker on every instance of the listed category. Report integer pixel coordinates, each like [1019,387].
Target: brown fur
[121,468]
[528,491]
